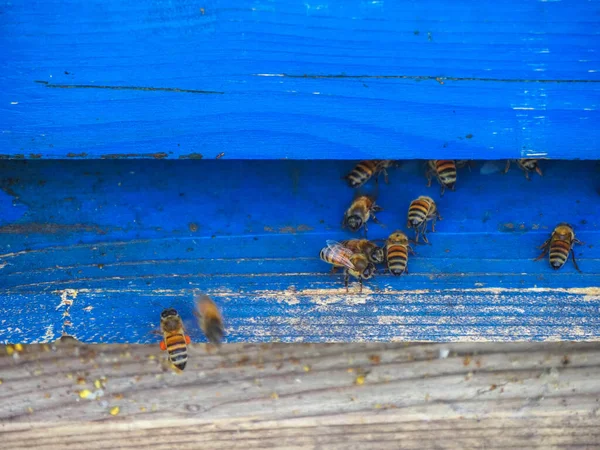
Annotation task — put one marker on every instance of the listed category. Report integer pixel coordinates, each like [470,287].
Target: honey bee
[560,244]
[362,208]
[397,249]
[527,165]
[374,253]
[445,172]
[209,319]
[355,264]
[420,211]
[364,170]
[175,341]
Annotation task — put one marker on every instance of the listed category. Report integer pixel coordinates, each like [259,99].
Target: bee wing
[341,254]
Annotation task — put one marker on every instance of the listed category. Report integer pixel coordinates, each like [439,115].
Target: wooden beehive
[143,146]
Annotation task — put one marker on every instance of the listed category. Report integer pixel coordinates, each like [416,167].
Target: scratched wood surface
[294,79]
[97,249]
[351,396]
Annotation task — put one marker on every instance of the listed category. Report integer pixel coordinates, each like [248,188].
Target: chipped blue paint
[104,246]
[290,79]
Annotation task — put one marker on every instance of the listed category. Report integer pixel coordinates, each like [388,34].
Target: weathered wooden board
[444,396]
[289,79]
[97,249]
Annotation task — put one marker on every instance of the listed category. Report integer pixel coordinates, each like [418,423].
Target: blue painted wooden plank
[308,119]
[97,249]
[151,79]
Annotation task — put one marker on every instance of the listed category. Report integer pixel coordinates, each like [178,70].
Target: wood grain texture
[97,249]
[291,79]
[425,396]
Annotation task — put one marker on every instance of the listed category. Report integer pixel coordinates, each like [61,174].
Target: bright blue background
[299,80]
[119,235]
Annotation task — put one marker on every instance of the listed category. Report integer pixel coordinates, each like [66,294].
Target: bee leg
[507,166]
[428,175]
[539,171]
[575,262]
[545,247]
[385,176]
[360,288]
[442,190]
[577,241]
[425,238]
[366,229]
[333,270]
[346,277]
[410,250]
[416,241]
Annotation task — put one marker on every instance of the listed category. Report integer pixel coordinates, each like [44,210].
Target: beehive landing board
[294,79]
[96,249]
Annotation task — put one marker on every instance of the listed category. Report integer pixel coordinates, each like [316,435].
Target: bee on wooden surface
[175,341]
[420,211]
[362,208]
[209,318]
[397,249]
[375,254]
[559,245]
[527,165]
[364,170]
[355,264]
[444,171]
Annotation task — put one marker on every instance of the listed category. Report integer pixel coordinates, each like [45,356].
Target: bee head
[168,313]
[451,185]
[369,271]
[354,222]
[377,255]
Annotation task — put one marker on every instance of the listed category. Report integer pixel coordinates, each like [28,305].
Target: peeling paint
[49,336]
[288,229]
[158,155]
[48,228]
[67,298]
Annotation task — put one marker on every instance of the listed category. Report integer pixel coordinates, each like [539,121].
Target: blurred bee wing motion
[209,319]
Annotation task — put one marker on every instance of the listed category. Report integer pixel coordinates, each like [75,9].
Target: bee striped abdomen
[177,350]
[446,171]
[361,173]
[326,255]
[418,212]
[559,253]
[397,258]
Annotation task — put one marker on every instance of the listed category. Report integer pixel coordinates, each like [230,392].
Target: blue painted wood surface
[96,249]
[293,79]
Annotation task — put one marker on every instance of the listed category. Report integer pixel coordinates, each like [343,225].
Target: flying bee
[420,211]
[209,318]
[445,172]
[560,244]
[397,249]
[175,341]
[364,170]
[362,208]
[355,264]
[527,165]
[374,253]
